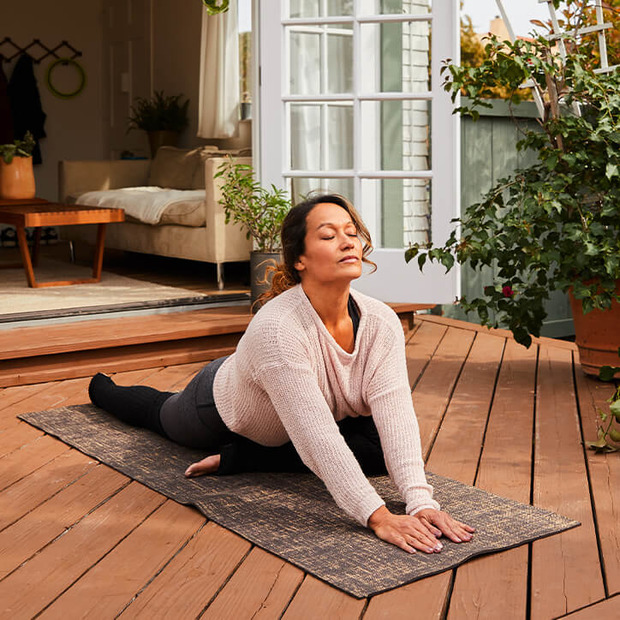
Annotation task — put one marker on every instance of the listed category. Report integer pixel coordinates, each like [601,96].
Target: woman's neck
[329,300]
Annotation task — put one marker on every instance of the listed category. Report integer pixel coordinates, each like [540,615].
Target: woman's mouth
[349,259]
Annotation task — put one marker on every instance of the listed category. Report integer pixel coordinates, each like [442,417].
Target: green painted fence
[488,153]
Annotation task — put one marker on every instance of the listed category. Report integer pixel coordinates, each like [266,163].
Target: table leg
[23,248]
[35,246]
[98,262]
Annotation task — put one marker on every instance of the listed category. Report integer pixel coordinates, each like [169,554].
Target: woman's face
[333,250]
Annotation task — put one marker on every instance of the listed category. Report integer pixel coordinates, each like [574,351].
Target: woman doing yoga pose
[318,381]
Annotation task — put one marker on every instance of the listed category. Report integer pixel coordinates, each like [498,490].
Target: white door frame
[394,280]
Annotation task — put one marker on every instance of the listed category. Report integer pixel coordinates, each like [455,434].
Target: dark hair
[293,235]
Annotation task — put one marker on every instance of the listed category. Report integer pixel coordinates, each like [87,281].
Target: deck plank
[29,458]
[316,599]
[608,609]
[434,390]
[193,576]
[505,469]
[35,584]
[455,454]
[31,533]
[604,477]
[40,485]
[566,573]
[262,587]
[107,588]
[421,348]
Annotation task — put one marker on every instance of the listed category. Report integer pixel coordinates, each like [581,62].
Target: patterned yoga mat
[292,515]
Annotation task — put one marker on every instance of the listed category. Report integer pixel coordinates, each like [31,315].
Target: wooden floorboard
[566,572]
[510,430]
[77,538]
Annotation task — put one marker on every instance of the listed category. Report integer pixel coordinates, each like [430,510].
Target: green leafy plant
[19,148]
[556,224]
[609,429]
[159,113]
[246,202]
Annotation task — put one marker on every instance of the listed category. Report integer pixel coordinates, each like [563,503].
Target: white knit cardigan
[289,379]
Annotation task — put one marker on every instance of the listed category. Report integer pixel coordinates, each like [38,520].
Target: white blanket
[146,204]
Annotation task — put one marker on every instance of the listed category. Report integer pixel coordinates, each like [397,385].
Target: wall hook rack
[37,50]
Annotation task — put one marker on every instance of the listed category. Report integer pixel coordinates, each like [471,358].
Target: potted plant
[608,439]
[16,173]
[261,211]
[162,117]
[554,225]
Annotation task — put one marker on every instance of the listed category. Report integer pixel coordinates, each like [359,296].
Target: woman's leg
[360,434]
[137,405]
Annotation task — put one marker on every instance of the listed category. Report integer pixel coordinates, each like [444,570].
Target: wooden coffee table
[37,212]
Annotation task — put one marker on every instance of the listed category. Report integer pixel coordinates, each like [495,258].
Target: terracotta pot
[162,138]
[597,335]
[260,280]
[17,179]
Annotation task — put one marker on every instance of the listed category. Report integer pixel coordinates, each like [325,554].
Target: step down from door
[82,348]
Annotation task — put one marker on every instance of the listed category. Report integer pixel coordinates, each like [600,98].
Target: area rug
[292,515]
[16,297]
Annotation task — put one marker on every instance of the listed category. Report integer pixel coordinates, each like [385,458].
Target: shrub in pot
[261,211]
[554,225]
[16,173]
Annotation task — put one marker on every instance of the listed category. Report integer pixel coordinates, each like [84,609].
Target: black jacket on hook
[6,120]
[26,107]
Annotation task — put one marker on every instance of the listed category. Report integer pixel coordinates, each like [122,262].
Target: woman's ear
[299,266]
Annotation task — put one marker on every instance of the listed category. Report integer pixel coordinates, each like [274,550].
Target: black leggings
[190,418]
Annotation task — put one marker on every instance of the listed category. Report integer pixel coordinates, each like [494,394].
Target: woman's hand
[208,465]
[404,531]
[441,523]
[418,532]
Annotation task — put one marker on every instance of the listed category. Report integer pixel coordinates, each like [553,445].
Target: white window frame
[395,280]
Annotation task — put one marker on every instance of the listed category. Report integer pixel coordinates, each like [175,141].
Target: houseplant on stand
[16,173]
[556,224]
[261,211]
[162,117]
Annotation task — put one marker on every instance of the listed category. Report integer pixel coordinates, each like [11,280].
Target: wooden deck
[77,538]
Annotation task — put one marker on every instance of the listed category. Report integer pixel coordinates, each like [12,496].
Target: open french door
[350,101]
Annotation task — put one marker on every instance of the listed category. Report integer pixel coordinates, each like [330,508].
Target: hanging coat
[26,107]
[6,120]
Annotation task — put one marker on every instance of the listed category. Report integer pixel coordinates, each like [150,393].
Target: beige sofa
[196,232]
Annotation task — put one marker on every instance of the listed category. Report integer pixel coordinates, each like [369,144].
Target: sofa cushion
[198,181]
[175,168]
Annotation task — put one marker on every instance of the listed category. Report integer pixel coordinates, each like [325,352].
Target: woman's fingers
[449,527]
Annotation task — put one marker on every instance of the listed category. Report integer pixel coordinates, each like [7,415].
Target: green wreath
[80,70]
[214,7]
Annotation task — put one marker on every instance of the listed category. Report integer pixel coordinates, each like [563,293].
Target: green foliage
[159,113]
[556,224]
[246,202]
[473,54]
[19,148]
[608,439]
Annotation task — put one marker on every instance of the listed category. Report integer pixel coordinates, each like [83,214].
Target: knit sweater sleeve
[293,389]
[389,398]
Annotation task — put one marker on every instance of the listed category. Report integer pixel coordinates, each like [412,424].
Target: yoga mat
[292,515]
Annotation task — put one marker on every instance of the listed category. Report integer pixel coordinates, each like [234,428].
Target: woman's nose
[346,241]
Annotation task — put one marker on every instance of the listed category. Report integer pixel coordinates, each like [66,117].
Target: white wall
[73,126]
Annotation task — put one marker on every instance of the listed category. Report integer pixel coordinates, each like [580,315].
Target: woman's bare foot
[208,465]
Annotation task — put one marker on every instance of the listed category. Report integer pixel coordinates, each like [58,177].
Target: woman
[320,368]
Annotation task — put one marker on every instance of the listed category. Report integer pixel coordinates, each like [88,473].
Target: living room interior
[127,49]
